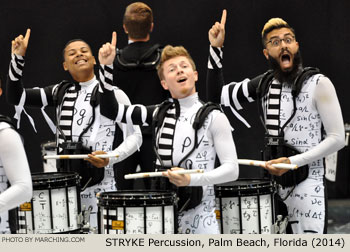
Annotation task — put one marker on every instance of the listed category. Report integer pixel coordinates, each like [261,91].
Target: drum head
[55,180]
[136,198]
[245,187]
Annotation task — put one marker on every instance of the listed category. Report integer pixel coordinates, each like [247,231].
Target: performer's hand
[177,179]
[276,171]
[217,32]
[20,44]
[96,161]
[107,52]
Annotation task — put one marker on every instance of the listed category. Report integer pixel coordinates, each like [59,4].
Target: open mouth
[182,79]
[285,58]
[81,61]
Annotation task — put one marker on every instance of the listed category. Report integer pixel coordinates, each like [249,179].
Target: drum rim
[136,198]
[265,187]
[60,180]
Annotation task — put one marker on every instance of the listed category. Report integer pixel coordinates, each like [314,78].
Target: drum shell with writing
[55,205]
[245,206]
[137,212]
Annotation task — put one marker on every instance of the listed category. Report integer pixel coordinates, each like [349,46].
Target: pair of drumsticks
[159,174]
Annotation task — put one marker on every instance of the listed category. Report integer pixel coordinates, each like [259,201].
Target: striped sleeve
[16,94]
[106,76]
[236,93]
[16,67]
[215,78]
[215,57]
[136,114]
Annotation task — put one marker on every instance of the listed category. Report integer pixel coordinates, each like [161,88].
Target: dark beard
[286,76]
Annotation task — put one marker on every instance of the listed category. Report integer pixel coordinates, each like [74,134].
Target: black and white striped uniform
[175,138]
[317,106]
[74,114]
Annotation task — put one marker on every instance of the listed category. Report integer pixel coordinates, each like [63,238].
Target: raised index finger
[114,39]
[223,17]
[26,37]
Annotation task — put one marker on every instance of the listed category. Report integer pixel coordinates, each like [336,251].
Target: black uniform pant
[144,158]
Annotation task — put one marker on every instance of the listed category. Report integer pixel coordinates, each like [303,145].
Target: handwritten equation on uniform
[305,123]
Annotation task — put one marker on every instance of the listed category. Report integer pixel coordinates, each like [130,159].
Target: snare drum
[48,149]
[245,206]
[55,205]
[137,212]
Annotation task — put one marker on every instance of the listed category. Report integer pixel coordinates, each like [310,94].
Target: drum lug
[84,221]
[280,225]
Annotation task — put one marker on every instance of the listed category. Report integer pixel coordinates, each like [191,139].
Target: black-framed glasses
[276,42]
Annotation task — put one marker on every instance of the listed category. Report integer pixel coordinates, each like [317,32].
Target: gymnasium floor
[339,216]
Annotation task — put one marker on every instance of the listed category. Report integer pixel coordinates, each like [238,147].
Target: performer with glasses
[295,104]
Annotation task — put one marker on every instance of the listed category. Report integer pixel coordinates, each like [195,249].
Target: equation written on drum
[136,218]
[50,212]
[243,215]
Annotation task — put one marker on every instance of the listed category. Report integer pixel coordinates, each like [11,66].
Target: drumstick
[78,156]
[259,163]
[159,174]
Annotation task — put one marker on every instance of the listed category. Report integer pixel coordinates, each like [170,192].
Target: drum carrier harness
[90,175]
[189,196]
[276,146]
[142,62]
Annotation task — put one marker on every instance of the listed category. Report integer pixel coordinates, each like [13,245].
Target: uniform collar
[88,83]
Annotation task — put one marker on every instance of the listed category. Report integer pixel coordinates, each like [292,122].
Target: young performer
[295,104]
[80,124]
[178,142]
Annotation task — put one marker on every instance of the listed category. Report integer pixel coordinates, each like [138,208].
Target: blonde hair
[170,52]
[138,19]
[272,24]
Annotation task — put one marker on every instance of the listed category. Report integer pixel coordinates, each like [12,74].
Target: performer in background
[295,103]
[15,180]
[81,128]
[181,141]
[136,74]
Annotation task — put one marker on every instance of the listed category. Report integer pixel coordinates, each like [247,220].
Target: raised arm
[215,79]
[235,93]
[16,94]
[110,107]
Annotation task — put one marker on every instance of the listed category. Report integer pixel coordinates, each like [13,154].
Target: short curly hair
[170,52]
[138,19]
